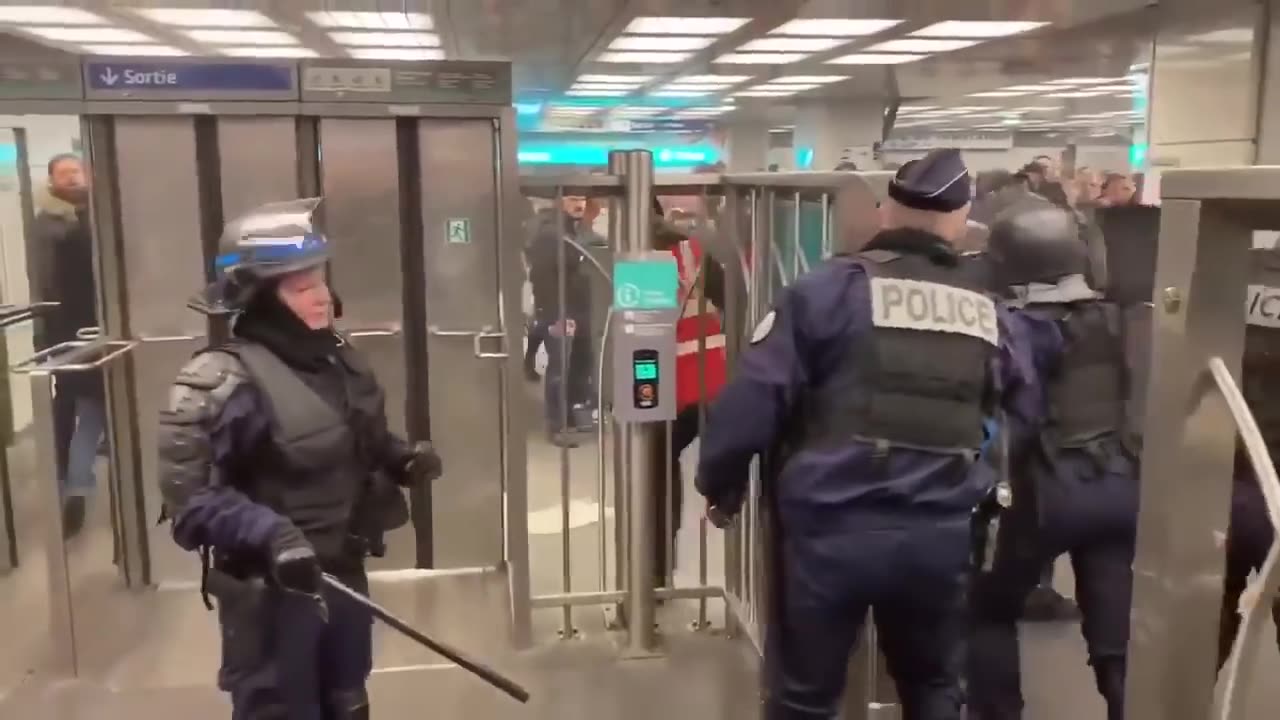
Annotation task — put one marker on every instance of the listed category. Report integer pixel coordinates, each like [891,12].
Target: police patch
[933,307]
[1262,306]
[764,328]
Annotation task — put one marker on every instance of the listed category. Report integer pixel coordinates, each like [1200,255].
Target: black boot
[72,516]
[1044,604]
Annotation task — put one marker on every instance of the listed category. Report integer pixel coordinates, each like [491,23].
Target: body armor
[910,386]
[1088,394]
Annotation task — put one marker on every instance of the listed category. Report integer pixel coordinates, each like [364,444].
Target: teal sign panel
[646,285]
[458,231]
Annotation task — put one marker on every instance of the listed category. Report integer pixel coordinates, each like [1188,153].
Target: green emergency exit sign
[646,285]
[457,231]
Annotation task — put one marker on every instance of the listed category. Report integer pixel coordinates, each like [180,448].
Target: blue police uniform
[1074,476]
[276,463]
[864,522]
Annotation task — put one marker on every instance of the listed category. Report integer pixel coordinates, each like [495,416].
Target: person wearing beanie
[866,389]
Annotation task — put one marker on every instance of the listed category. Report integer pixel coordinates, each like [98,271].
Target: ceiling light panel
[44,15]
[792,44]
[661,42]
[606,86]
[90,34]
[788,88]
[1000,93]
[679,93]
[397,53]
[725,79]
[266,51]
[242,37]
[598,78]
[762,93]
[761,58]
[1083,81]
[1034,88]
[975,29]
[704,87]
[580,92]
[840,27]
[371,20]
[684,25]
[921,45]
[386,39]
[134,50]
[642,57]
[915,108]
[1076,94]
[823,79]
[207,18]
[876,59]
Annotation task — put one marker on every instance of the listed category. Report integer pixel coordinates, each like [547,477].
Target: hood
[50,204]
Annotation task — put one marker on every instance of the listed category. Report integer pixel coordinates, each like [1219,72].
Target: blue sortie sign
[180,76]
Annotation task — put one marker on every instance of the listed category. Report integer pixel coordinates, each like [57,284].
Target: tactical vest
[918,376]
[312,473]
[1088,395]
[1260,366]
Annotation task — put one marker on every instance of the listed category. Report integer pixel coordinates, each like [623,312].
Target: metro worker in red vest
[700,348]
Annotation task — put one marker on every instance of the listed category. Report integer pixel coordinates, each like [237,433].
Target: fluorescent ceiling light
[787,88]
[876,59]
[762,93]
[976,29]
[397,53]
[386,39]
[1076,94]
[596,78]
[45,15]
[684,25]
[915,108]
[761,58]
[679,93]
[371,20]
[1000,93]
[605,86]
[811,78]
[914,45]
[792,44]
[1033,88]
[140,50]
[209,18]
[263,51]
[642,57]
[90,34]
[1040,108]
[725,79]
[1114,88]
[974,108]
[242,37]
[705,87]
[579,92]
[1083,81]
[660,42]
[638,110]
[842,27]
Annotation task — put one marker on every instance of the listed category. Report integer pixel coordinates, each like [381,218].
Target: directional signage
[670,126]
[40,80]
[445,81]
[190,80]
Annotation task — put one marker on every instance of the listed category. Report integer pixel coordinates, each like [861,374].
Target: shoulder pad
[202,386]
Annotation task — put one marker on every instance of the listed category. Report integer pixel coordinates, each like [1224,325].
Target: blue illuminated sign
[8,154]
[593,154]
[256,77]
[804,158]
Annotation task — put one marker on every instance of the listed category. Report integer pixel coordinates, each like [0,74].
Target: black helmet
[1034,241]
[265,243]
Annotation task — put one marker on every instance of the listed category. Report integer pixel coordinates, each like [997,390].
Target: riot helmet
[1034,241]
[263,244]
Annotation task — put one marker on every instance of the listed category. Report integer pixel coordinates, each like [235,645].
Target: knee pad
[350,704]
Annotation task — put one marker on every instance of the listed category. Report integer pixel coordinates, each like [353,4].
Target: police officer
[273,448]
[1250,534]
[868,383]
[1074,476]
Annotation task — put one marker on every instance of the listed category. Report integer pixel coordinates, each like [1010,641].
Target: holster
[381,508]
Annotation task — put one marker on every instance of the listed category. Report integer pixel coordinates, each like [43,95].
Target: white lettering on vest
[1262,306]
[934,307]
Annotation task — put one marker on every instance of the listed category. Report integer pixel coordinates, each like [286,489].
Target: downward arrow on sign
[109,76]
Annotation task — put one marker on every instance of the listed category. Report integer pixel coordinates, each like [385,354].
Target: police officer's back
[870,379]
[276,462]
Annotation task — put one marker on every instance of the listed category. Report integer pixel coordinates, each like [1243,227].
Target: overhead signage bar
[443,81]
[189,79]
[40,80]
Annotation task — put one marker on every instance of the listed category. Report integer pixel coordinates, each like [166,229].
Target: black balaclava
[269,321]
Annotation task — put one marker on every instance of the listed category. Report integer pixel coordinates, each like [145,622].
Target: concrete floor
[153,653]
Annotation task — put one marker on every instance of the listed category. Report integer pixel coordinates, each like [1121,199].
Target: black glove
[423,465]
[294,564]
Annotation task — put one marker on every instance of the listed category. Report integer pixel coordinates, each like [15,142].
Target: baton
[489,675]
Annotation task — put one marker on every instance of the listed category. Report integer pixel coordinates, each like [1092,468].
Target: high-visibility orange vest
[690,328]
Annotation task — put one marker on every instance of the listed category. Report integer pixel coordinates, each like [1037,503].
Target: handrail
[39,363]
[1261,591]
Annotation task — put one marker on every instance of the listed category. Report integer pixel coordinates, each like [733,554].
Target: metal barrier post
[10,315]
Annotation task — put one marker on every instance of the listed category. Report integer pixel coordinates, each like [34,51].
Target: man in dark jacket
[62,260]
[561,280]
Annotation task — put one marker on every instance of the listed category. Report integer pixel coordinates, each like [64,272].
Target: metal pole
[638,191]
[61,612]
[565,344]
[619,440]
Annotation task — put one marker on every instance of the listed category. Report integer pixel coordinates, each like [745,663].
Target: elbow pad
[183,439]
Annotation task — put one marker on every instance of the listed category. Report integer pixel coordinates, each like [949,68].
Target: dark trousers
[64,427]
[536,333]
[1248,541]
[282,661]
[1101,547]
[913,579]
[684,430]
